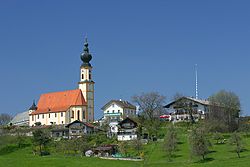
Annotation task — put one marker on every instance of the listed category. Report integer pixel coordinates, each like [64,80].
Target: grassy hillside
[221,155]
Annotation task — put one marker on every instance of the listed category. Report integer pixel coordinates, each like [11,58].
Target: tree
[151,106]
[40,139]
[123,147]
[5,119]
[237,142]
[137,145]
[170,141]
[199,142]
[225,108]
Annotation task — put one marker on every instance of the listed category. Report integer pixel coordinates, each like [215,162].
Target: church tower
[86,83]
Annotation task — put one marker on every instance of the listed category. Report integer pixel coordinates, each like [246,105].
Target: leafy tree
[225,108]
[170,141]
[40,139]
[5,119]
[237,142]
[199,142]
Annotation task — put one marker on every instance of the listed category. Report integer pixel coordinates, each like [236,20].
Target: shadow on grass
[11,148]
[205,160]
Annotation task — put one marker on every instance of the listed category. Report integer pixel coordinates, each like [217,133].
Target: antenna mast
[196,82]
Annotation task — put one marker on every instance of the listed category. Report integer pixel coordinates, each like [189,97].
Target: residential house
[117,110]
[181,108]
[127,130]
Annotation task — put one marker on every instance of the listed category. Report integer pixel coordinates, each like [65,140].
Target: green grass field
[221,156]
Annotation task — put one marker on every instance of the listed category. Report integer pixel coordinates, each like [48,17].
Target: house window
[61,114]
[72,114]
[55,114]
[78,115]
[113,111]
[32,117]
[38,116]
[49,115]
[43,116]
[118,111]
[108,111]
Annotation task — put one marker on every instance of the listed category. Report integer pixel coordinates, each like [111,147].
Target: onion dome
[86,56]
[33,107]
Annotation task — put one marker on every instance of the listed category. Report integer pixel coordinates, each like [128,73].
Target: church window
[72,114]
[108,111]
[82,76]
[32,117]
[49,115]
[78,115]
[62,122]
[55,114]
[61,114]
[43,116]
[83,114]
[89,76]
[113,111]
[38,116]
[118,111]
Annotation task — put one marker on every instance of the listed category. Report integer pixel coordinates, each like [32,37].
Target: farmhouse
[180,109]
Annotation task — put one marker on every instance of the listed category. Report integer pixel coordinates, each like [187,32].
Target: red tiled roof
[59,101]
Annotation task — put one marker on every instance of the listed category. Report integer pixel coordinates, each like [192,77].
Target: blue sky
[137,46]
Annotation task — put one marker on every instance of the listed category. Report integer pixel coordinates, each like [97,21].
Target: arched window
[82,76]
[78,115]
[83,114]
[72,114]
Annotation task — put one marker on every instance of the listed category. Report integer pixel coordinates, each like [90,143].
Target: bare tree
[225,108]
[151,104]
[237,142]
[171,141]
[199,142]
[5,119]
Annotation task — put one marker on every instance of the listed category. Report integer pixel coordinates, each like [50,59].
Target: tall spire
[196,82]
[86,56]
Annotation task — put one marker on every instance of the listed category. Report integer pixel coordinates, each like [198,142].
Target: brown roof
[123,104]
[59,101]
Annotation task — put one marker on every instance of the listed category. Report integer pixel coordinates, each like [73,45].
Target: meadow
[221,155]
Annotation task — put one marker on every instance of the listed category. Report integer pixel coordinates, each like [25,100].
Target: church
[59,108]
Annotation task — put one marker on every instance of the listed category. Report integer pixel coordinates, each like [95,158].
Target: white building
[67,106]
[117,110]
[180,109]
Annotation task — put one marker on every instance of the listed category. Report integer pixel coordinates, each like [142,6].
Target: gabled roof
[59,101]
[20,118]
[123,104]
[84,123]
[203,102]
[127,120]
